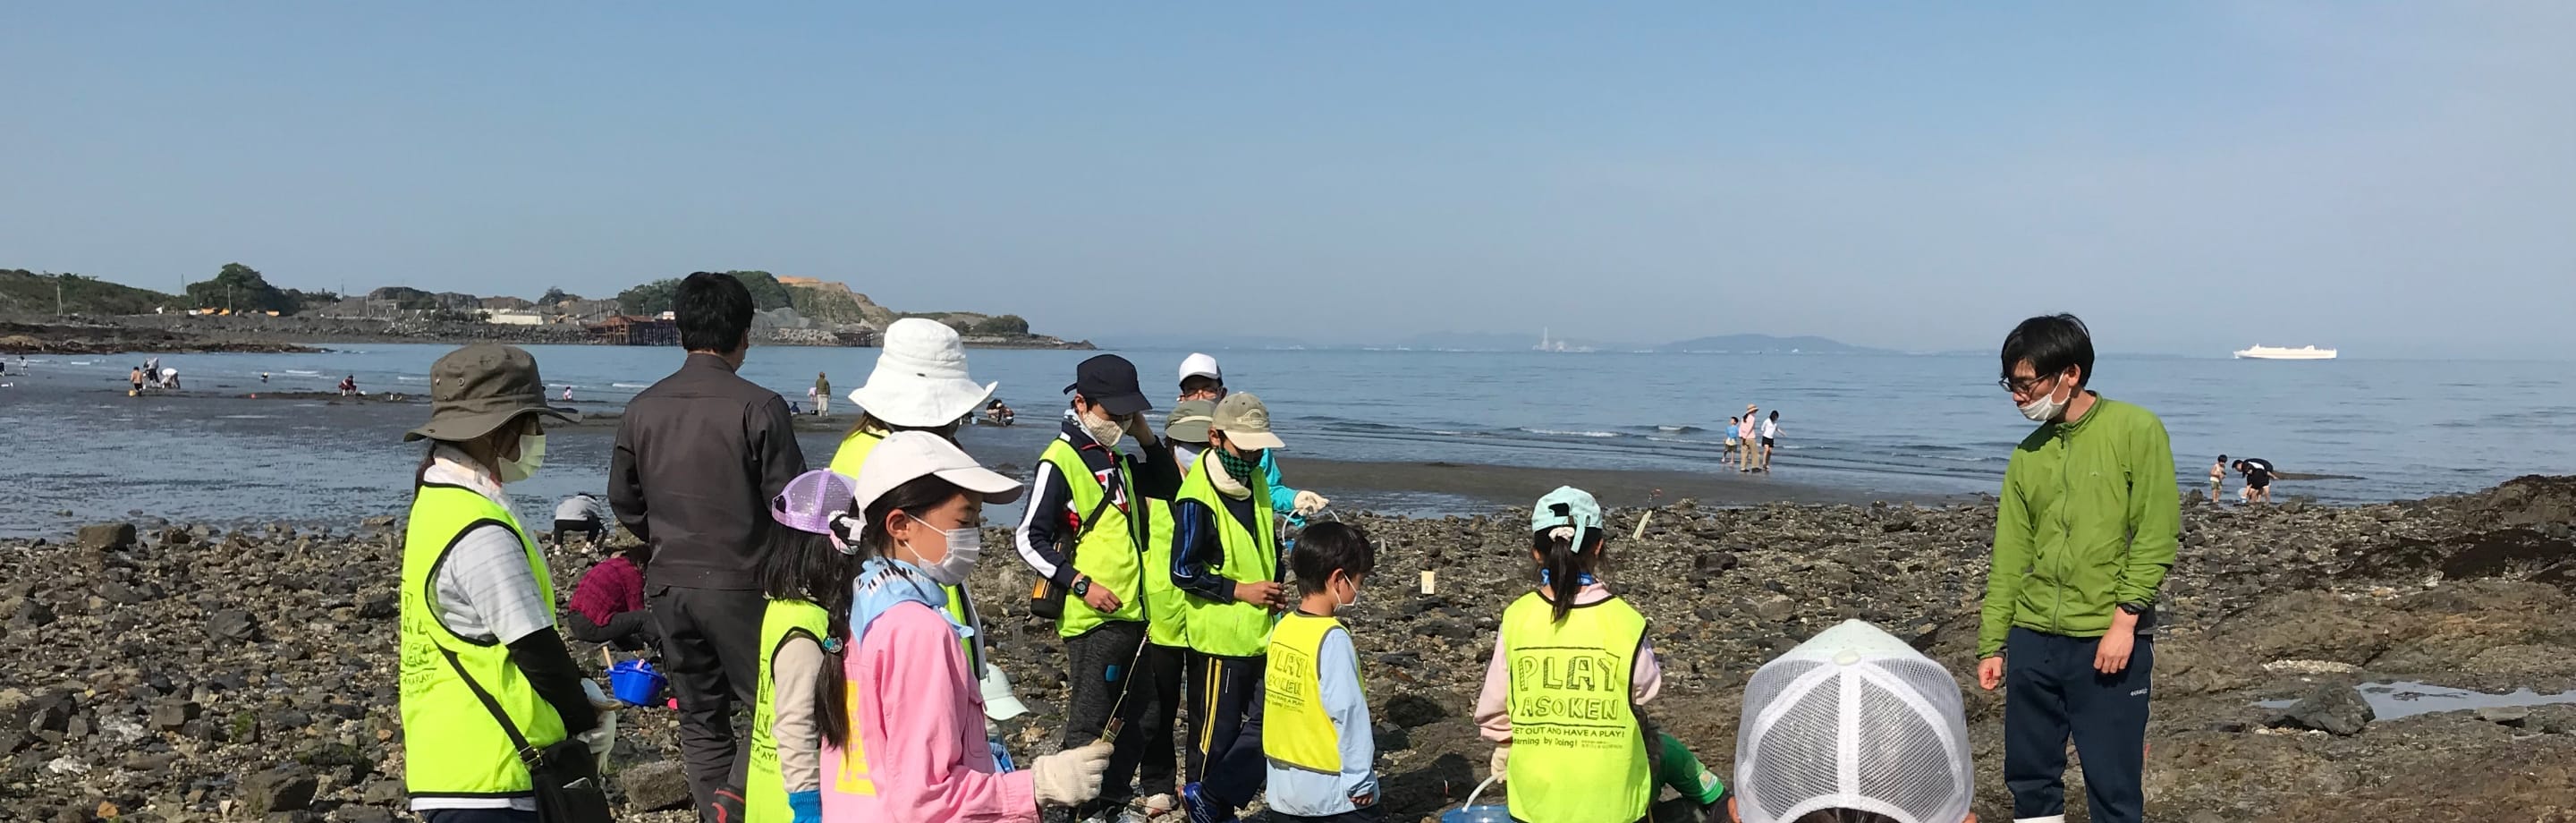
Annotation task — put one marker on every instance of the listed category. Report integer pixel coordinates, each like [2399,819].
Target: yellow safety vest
[452,745]
[1233,629]
[1295,730]
[1577,754]
[1108,551]
[765,791]
[1165,606]
[854,453]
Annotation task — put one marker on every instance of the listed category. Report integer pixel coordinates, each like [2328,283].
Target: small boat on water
[2261,352]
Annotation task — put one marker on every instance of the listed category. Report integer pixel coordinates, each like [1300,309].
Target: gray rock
[169,715]
[655,786]
[1775,609]
[281,789]
[360,814]
[2332,708]
[2514,716]
[107,536]
[233,625]
[48,712]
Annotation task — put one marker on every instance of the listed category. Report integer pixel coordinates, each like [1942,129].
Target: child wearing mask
[902,716]
[1316,730]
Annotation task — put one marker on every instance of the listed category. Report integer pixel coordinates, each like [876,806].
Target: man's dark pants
[1225,756]
[2051,690]
[1163,666]
[1104,666]
[710,651]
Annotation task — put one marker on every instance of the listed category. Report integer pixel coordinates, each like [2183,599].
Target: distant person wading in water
[1744,432]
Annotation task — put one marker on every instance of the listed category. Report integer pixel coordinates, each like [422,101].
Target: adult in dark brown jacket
[698,457]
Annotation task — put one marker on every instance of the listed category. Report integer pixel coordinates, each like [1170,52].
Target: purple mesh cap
[812,500]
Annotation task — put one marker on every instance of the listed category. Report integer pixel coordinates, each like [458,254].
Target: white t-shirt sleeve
[486,589]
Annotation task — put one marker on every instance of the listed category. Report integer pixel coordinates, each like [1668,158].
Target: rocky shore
[170,672]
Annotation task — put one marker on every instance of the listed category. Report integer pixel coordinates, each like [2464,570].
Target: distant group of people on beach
[833,604]
[1750,438]
[2258,474]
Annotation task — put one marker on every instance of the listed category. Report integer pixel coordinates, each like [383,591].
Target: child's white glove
[1499,767]
[1071,777]
[1310,503]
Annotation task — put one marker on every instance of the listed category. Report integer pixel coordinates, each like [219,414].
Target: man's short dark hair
[1196,383]
[1329,547]
[714,312]
[2051,343]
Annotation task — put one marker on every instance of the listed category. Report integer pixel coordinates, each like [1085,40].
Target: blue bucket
[635,682]
[1469,812]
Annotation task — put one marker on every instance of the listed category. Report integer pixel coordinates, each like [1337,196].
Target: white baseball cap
[999,703]
[906,455]
[920,377]
[1201,365]
[1853,719]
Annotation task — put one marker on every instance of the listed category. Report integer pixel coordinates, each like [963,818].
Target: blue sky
[2394,178]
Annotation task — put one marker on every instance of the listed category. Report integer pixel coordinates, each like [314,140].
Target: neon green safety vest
[1165,606]
[1295,730]
[1108,550]
[765,791]
[1577,754]
[846,462]
[1233,629]
[452,745]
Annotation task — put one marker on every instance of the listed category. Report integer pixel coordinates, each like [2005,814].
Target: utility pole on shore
[58,294]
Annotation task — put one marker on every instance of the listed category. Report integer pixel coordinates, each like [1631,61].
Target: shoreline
[180,334]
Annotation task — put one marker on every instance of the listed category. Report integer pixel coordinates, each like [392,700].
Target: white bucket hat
[920,377]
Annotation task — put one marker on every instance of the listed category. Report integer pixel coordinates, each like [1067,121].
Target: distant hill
[23,291]
[1200,342]
[1765,344]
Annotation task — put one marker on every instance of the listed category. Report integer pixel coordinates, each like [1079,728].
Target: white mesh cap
[1853,719]
[813,499]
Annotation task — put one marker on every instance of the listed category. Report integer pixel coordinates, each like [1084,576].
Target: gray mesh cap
[1853,719]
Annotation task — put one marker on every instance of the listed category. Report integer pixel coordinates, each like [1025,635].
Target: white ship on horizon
[2262,352]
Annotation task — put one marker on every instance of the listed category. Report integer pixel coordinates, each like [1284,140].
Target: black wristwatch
[1082,587]
[2133,609]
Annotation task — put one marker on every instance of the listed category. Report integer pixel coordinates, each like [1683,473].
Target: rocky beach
[175,672]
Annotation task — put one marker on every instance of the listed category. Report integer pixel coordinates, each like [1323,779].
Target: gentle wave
[305,372]
[632,385]
[1562,433]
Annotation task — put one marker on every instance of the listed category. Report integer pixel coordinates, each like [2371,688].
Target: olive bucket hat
[475,389]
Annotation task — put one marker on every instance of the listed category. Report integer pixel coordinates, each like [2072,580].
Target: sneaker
[1203,810]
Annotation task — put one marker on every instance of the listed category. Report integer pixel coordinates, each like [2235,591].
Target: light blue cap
[1581,511]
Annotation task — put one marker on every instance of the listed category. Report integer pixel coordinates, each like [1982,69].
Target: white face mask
[532,454]
[2046,407]
[965,546]
[1355,596]
[1109,432]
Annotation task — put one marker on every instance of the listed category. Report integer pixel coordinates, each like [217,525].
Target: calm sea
[2376,430]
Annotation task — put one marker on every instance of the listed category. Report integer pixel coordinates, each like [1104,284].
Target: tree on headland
[556,295]
[240,288]
[655,297]
[1008,325]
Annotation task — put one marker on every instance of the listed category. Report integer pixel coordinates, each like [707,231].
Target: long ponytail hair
[1567,553]
[916,496]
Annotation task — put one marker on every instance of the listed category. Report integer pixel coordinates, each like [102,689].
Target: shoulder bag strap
[526,753]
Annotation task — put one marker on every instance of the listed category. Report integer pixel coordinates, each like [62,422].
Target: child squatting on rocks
[1561,696]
